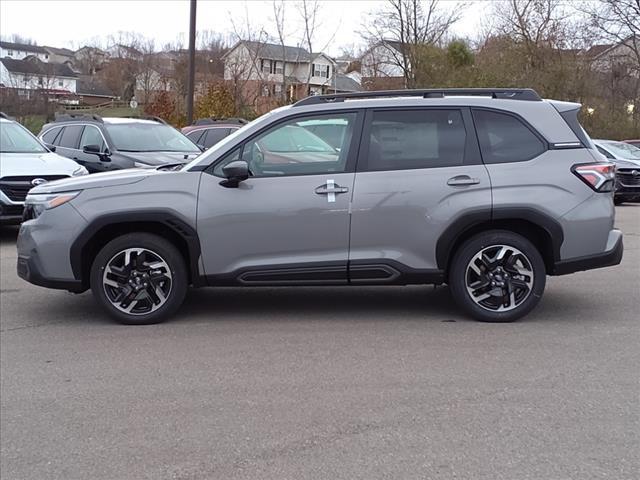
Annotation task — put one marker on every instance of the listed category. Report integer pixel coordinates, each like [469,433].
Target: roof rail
[503,93]
[66,117]
[152,118]
[212,120]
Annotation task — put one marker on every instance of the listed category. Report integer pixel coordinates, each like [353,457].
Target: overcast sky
[71,24]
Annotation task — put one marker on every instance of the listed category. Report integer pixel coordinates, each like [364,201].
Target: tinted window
[404,139]
[291,149]
[196,136]
[91,136]
[214,135]
[69,136]
[148,137]
[504,138]
[50,135]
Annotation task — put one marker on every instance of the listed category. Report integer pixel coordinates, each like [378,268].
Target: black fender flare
[165,217]
[467,221]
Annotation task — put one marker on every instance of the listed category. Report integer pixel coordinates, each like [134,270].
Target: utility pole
[192,61]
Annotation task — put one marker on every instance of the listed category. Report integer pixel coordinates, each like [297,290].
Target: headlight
[39,202]
[143,165]
[80,171]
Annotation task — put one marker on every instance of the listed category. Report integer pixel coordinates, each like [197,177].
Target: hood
[35,164]
[97,180]
[159,158]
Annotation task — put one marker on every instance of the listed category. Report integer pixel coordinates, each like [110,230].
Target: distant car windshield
[14,138]
[624,150]
[293,138]
[146,137]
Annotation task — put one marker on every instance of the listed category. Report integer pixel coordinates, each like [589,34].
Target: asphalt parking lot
[325,383]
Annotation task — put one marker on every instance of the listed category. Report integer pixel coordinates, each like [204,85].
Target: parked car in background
[487,190]
[635,143]
[627,160]
[24,164]
[206,132]
[109,143]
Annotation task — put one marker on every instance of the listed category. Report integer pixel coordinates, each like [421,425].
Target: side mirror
[95,149]
[50,147]
[235,172]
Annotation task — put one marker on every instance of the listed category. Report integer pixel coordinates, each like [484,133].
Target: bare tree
[404,27]
[279,21]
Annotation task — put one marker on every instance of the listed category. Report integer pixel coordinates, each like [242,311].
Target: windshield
[145,137]
[624,150]
[14,138]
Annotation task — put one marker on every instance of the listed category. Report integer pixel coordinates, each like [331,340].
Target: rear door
[67,142]
[419,170]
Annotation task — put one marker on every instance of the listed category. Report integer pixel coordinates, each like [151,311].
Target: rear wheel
[139,278]
[497,276]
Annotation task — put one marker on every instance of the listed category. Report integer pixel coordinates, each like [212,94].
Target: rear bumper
[611,256]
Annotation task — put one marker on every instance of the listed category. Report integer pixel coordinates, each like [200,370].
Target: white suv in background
[25,163]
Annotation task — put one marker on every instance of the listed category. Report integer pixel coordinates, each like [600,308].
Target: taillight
[599,176]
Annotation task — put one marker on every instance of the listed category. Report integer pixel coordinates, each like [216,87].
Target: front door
[289,221]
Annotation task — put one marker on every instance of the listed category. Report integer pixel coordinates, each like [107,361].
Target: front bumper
[10,212]
[611,256]
[29,269]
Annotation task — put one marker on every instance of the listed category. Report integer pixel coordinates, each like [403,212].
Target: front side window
[504,138]
[409,139]
[149,137]
[292,148]
[92,136]
[16,139]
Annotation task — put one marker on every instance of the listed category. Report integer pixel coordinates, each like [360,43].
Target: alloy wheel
[137,281]
[499,278]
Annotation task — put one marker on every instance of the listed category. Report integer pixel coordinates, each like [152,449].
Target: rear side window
[69,137]
[50,135]
[504,138]
[409,139]
[196,136]
[214,135]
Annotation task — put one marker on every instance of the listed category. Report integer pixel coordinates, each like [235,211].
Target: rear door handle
[462,180]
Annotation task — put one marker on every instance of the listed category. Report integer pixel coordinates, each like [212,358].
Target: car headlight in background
[36,203]
[80,171]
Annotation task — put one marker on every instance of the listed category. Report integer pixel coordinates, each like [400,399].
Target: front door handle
[462,181]
[330,189]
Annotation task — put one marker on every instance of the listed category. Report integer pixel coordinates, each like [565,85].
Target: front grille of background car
[11,210]
[628,178]
[16,188]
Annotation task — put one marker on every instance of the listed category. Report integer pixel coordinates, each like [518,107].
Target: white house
[615,56]
[33,74]
[384,59]
[18,51]
[270,63]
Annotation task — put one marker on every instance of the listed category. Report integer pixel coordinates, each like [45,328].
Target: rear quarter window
[504,138]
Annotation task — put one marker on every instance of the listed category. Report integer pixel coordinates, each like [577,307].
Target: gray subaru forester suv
[486,190]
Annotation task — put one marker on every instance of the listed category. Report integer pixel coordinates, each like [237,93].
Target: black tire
[175,291]
[460,274]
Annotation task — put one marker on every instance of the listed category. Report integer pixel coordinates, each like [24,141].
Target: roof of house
[33,66]
[60,51]
[22,47]
[90,85]
[274,51]
[344,83]
[596,50]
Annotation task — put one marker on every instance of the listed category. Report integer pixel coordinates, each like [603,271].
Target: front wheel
[497,276]
[139,278]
